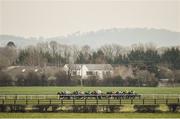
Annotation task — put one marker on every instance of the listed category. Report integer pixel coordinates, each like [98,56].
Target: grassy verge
[89,115]
[54,90]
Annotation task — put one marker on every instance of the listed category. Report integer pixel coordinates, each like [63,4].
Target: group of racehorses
[98,94]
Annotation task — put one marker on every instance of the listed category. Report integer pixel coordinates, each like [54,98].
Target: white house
[164,82]
[86,70]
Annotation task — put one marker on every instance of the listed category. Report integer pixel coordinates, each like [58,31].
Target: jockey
[67,92]
[99,91]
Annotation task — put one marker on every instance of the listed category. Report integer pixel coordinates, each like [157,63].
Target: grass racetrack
[54,90]
[89,115]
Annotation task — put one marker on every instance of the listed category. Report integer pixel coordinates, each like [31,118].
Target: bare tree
[86,50]
[53,46]
[75,53]
[11,54]
[3,61]
[8,56]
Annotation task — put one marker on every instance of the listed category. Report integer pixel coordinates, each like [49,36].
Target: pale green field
[89,115]
[54,90]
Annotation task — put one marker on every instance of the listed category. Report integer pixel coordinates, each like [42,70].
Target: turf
[54,90]
[90,115]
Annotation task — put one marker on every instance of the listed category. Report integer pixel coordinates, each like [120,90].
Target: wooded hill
[147,62]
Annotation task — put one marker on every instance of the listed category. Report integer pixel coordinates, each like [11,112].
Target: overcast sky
[54,18]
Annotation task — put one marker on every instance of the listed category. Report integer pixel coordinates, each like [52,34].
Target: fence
[145,99]
[37,96]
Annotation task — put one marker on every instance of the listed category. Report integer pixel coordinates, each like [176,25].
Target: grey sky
[53,18]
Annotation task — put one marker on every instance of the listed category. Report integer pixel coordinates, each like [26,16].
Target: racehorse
[98,95]
[64,95]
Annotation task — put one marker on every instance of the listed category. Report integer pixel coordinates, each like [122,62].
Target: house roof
[164,80]
[74,66]
[99,66]
[91,66]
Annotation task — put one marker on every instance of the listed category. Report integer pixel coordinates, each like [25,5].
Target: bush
[20,80]
[32,79]
[91,81]
[146,108]
[114,108]
[5,79]
[43,80]
[113,81]
[174,107]
[62,79]
[117,81]
[75,82]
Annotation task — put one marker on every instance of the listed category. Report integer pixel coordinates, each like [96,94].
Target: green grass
[54,90]
[89,115]
[89,102]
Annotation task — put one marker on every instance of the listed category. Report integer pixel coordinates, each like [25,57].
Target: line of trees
[148,62]
[57,55]
[61,79]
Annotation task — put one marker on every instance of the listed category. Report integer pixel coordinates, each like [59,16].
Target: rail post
[131,101]
[178,100]
[97,101]
[154,101]
[3,101]
[16,96]
[120,101]
[26,101]
[14,101]
[50,101]
[61,102]
[58,97]
[38,101]
[73,101]
[85,101]
[166,101]
[143,101]
[108,101]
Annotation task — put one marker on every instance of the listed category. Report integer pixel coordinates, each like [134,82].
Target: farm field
[90,115]
[54,90]
[46,95]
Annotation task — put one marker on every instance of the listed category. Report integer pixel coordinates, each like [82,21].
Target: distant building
[164,82]
[86,70]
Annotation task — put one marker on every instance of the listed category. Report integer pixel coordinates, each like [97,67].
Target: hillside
[124,37]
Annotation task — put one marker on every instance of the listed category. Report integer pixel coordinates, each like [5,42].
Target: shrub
[146,108]
[91,81]
[62,79]
[20,80]
[32,79]
[5,79]
[173,107]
